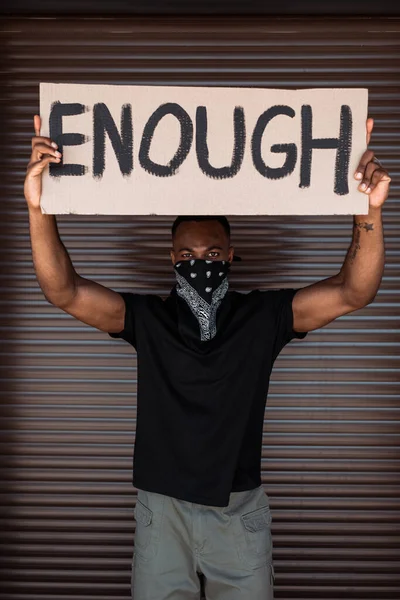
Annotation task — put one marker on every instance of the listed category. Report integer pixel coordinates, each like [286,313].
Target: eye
[214,254]
[186,255]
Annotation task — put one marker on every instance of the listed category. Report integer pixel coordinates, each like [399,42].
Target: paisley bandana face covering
[203,284]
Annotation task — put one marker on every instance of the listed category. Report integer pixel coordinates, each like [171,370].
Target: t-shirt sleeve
[283,309]
[128,333]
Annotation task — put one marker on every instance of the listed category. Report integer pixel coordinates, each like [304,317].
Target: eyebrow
[209,248]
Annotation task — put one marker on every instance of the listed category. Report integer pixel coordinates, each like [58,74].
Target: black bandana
[203,284]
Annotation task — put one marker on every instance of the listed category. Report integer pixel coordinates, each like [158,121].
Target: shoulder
[251,303]
[258,295]
[134,300]
[273,299]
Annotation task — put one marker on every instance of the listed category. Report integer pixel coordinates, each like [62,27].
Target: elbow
[62,294]
[367,302]
[358,298]
[60,299]
[359,301]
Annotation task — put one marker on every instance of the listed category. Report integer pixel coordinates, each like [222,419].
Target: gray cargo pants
[229,547]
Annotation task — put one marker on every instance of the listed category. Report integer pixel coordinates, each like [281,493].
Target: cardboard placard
[169,150]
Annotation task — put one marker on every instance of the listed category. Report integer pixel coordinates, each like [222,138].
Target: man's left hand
[374,179]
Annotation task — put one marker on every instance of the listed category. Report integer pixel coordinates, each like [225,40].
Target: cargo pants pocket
[256,549]
[147,534]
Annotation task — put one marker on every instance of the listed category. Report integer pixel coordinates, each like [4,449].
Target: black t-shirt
[200,405]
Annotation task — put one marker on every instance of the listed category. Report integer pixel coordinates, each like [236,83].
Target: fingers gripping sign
[43,146]
[44,151]
[374,179]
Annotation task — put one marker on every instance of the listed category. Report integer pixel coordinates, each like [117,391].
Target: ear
[231,253]
[172,255]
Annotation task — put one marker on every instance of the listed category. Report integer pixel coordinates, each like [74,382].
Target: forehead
[198,233]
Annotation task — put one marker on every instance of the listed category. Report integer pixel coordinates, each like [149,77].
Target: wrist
[34,210]
[373,213]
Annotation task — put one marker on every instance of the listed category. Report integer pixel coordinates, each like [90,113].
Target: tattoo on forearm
[357,234]
[356,243]
[366,226]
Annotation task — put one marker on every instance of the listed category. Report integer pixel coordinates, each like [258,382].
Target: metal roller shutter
[331,446]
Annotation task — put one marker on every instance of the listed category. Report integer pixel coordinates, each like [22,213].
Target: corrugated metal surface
[331,447]
[205,7]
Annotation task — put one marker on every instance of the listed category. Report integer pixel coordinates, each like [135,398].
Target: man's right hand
[44,151]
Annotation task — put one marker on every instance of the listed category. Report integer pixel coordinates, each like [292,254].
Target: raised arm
[86,300]
[359,279]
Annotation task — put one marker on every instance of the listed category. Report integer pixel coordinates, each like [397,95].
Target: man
[205,356]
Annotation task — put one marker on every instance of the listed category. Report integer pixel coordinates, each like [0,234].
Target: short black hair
[183,218]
